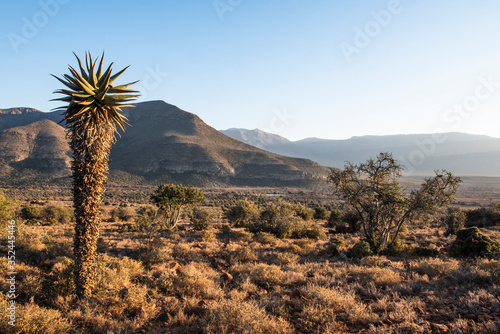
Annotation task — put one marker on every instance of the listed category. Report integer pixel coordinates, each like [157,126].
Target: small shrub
[205,236]
[435,267]
[263,275]
[55,214]
[377,276]
[202,219]
[320,213]
[282,220]
[483,217]
[244,254]
[242,236]
[243,213]
[360,250]
[229,316]
[454,220]
[470,242]
[373,261]
[335,218]
[31,214]
[265,238]
[334,247]
[32,319]
[122,213]
[422,251]
[352,220]
[284,258]
[303,212]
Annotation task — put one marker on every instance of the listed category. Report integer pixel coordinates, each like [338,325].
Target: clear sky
[317,68]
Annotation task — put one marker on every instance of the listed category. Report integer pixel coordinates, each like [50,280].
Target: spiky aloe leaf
[91,93]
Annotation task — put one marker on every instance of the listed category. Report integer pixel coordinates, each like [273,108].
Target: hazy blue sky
[316,68]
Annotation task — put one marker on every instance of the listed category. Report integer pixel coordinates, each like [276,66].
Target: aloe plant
[91,116]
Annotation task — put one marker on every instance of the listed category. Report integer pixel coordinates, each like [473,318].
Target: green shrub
[335,245]
[303,212]
[282,221]
[470,242]
[454,220]
[360,250]
[243,213]
[55,214]
[483,217]
[320,213]
[335,218]
[30,214]
[422,251]
[202,219]
[352,220]
[6,208]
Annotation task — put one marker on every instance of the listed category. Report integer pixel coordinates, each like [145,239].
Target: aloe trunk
[91,118]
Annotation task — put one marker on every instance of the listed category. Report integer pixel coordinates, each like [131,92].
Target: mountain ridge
[464,153]
[164,144]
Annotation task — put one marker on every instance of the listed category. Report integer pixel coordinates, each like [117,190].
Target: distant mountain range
[460,153]
[164,144]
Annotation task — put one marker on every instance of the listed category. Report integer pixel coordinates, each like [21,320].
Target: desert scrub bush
[375,275]
[205,236]
[193,280]
[454,220]
[320,213]
[242,214]
[352,220]
[360,250]
[56,214]
[265,238]
[115,273]
[301,247]
[470,242]
[228,316]
[122,213]
[244,254]
[31,319]
[146,218]
[261,274]
[184,253]
[284,258]
[334,218]
[335,246]
[421,251]
[30,214]
[326,305]
[201,218]
[241,236]
[303,212]
[435,267]
[483,217]
[278,219]
[7,209]
[65,283]
[373,261]
[335,299]
[283,221]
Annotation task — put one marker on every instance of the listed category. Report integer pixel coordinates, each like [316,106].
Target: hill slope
[164,144]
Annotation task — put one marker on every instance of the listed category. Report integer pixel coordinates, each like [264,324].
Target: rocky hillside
[164,144]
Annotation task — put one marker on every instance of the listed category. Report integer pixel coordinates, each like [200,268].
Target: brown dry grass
[196,282]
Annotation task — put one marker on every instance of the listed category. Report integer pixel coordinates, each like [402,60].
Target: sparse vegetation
[225,278]
[383,207]
[171,199]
